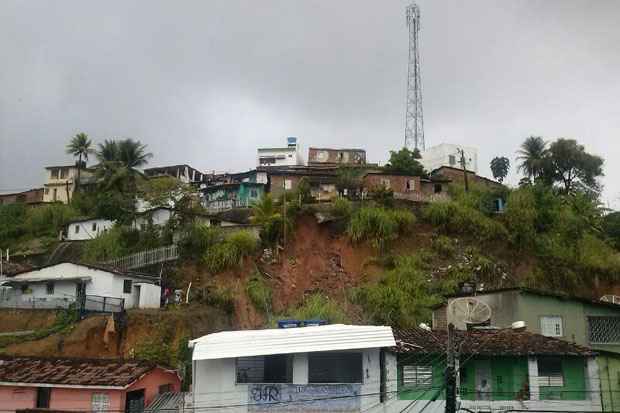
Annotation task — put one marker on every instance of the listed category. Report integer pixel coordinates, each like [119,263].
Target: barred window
[550,372]
[100,402]
[417,375]
[604,329]
[551,326]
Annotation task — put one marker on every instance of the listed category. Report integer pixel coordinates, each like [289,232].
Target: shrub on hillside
[106,246]
[342,208]
[379,226]
[230,252]
[453,218]
[12,219]
[520,218]
[444,246]
[318,306]
[48,220]
[197,239]
[259,291]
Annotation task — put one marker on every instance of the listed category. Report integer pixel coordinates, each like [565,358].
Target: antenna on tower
[414,121]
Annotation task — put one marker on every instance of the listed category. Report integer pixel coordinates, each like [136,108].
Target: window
[288,184]
[417,375]
[411,185]
[268,160]
[438,188]
[47,191]
[55,196]
[165,388]
[127,286]
[452,160]
[43,397]
[604,329]
[25,289]
[100,402]
[277,368]
[94,227]
[77,229]
[253,193]
[551,326]
[386,183]
[63,174]
[54,173]
[335,367]
[550,372]
[50,288]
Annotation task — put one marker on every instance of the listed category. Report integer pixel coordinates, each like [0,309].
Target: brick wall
[397,183]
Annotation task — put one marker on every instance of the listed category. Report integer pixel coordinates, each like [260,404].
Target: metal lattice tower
[414,122]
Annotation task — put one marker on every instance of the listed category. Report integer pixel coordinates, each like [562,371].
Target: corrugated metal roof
[245,343]
[166,402]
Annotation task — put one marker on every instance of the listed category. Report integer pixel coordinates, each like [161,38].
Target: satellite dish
[469,310]
[614,299]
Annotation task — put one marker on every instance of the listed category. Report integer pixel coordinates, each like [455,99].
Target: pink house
[89,385]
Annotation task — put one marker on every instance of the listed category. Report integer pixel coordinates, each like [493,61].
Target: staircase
[145,258]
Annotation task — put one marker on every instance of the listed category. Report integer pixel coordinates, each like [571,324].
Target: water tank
[291,141]
[518,325]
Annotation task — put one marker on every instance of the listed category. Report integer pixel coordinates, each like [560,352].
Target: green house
[223,197]
[499,368]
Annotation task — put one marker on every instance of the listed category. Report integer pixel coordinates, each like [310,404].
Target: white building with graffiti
[328,368]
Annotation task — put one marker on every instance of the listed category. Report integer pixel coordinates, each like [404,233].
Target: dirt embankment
[25,320]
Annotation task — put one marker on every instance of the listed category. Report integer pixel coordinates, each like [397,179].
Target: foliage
[405,162]
[267,214]
[444,246]
[452,217]
[119,162]
[379,226]
[230,252]
[197,239]
[318,306]
[349,181]
[303,191]
[520,217]
[12,217]
[611,228]
[115,206]
[259,291]
[403,296]
[500,167]
[120,241]
[220,297]
[574,168]
[80,147]
[48,219]
[154,350]
[479,196]
[383,196]
[64,322]
[532,156]
[342,208]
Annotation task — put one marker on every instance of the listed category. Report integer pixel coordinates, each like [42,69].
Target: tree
[611,228]
[574,168]
[266,214]
[405,162]
[532,155]
[119,163]
[349,179]
[79,147]
[500,167]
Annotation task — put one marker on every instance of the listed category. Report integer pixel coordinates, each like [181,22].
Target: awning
[230,344]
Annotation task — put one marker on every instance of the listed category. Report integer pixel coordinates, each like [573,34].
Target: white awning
[243,343]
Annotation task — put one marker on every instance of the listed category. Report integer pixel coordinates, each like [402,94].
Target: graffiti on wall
[342,398]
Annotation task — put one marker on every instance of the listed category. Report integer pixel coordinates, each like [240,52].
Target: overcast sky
[207,82]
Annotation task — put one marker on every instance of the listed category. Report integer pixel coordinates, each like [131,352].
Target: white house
[158,216]
[290,155]
[98,288]
[326,368]
[86,229]
[447,154]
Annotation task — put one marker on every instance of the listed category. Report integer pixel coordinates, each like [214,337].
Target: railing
[225,205]
[421,197]
[145,258]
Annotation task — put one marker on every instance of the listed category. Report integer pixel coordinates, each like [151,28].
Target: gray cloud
[207,82]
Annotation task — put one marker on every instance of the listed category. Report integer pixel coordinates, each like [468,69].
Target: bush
[220,297]
[154,350]
[12,219]
[379,226]
[106,246]
[197,239]
[320,307]
[259,291]
[520,218]
[342,208]
[453,218]
[48,219]
[444,246]
[230,252]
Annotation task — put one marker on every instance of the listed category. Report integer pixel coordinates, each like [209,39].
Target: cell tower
[414,122]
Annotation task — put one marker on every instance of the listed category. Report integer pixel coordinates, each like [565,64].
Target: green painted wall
[508,375]
[245,192]
[424,393]
[574,387]
[609,374]
[573,313]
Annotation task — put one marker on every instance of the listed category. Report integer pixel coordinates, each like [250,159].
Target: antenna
[469,311]
[414,120]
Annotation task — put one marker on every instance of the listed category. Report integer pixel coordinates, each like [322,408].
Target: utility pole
[450,373]
[463,163]
[284,213]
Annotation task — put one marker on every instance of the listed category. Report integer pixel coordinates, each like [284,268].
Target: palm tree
[266,214]
[500,167]
[79,147]
[532,155]
[119,162]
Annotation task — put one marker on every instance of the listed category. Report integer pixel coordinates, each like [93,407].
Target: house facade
[322,181]
[29,197]
[307,369]
[446,154]
[87,385]
[412,188]
[183,173]
[91,288]
[228,196]
[498,370]
[289,155]
[61,181]
[86,229]
[336,157]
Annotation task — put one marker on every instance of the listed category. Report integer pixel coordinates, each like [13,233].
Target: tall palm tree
[79,147]
[533,154]
[119,162]
[500,166]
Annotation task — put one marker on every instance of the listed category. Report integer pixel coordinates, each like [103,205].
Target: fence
[145,258]
[93,303]
[421,197]
[225,205]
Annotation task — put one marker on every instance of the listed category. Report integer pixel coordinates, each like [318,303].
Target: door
[136,296]
[134,402]
[483,380]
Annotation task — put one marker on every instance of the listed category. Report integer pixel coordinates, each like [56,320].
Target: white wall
[150,295]
[437,156]
[284,156]
[160,217]
[214,381]
[86,231]
[101,283]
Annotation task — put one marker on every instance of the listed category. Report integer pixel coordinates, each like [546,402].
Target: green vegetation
[259,291]
[80,147]
[611,228]
[379,226]
[500,167]
[120,241]
[318,306]
[230,252]
[267,214]
[342,208]
[454,218]
[65,320]
[405,162]
[197,239]
[349,181]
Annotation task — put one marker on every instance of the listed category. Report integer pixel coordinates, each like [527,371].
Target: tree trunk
[79,168]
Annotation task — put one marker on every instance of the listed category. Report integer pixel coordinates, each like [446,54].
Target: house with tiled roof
[498,370]
[87,385]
